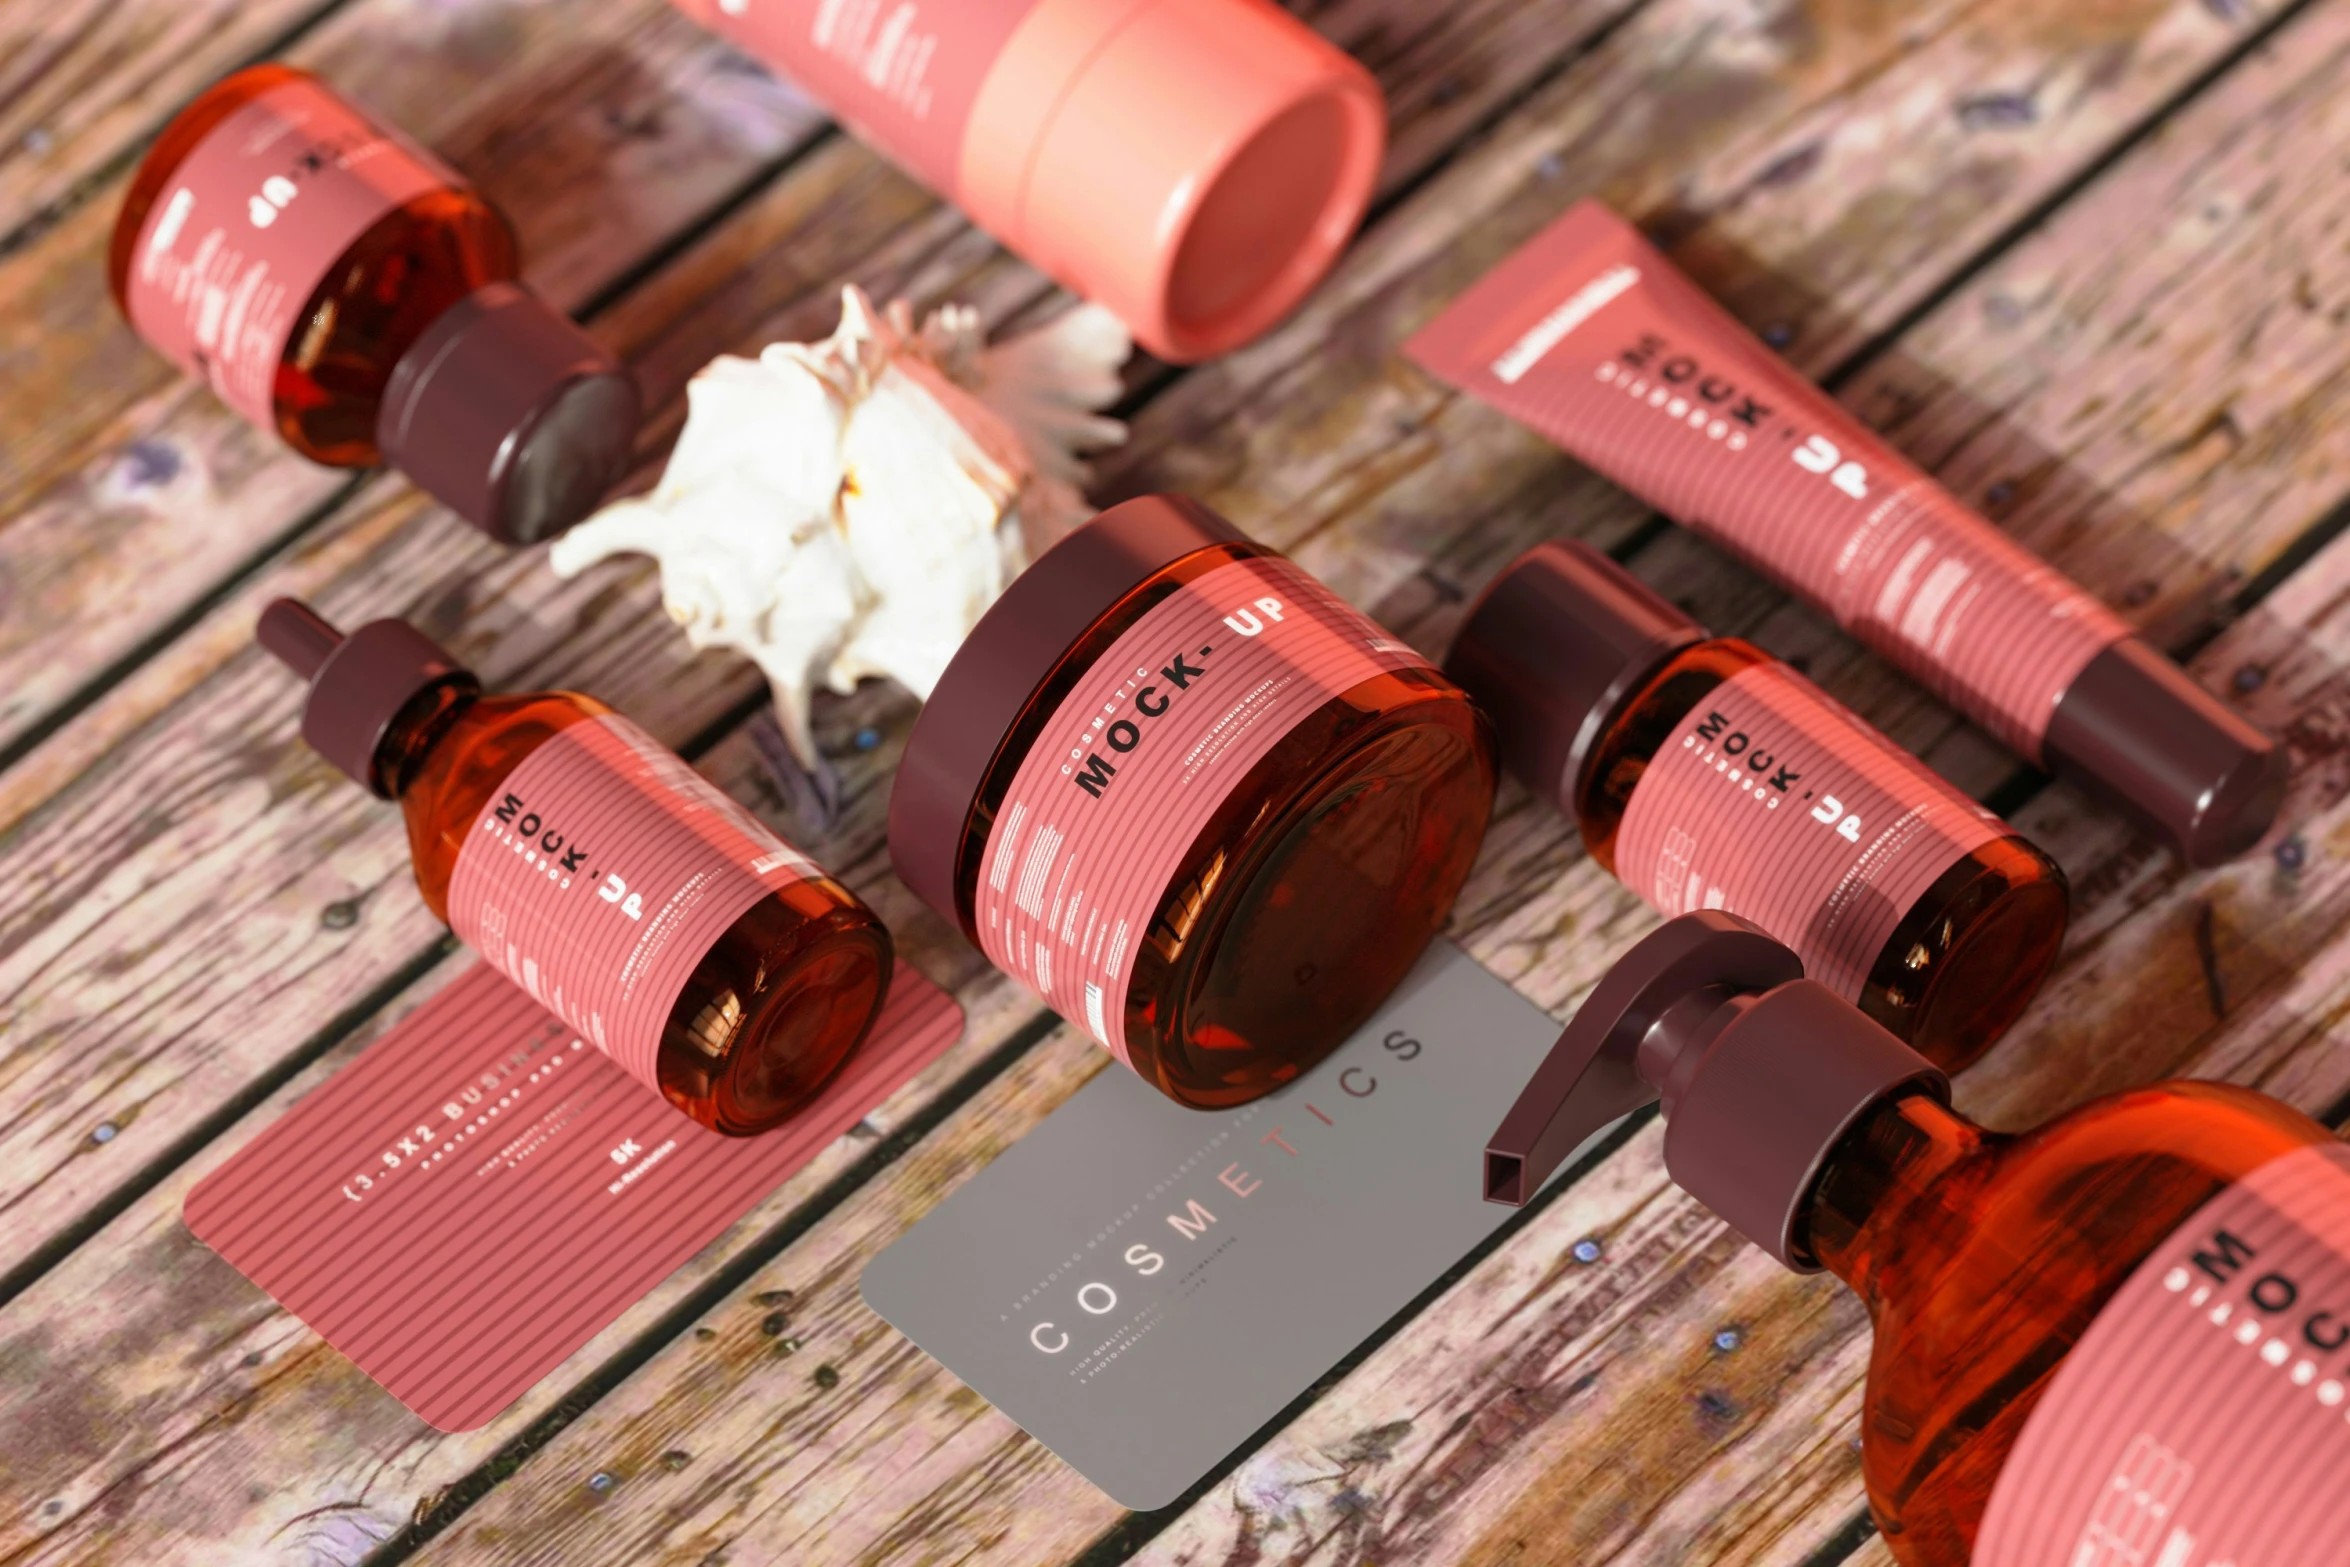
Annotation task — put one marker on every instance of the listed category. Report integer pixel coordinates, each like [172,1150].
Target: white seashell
[850,508]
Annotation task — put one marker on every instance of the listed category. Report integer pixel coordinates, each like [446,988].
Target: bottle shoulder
[464,763]
[1639,728]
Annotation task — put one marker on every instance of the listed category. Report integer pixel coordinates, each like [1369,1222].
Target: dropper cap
[510,415]
[1761,1071]
[359,683]
[1554,647]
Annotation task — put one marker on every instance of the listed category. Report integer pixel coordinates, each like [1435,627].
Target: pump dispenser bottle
[2124,1336]
[1707,774]
[587,863]
[342,288]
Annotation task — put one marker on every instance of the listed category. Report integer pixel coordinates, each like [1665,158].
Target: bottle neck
[426,720]
[1895,1183]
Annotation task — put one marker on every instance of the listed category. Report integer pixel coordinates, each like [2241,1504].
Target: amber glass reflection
[1312,890]
[766,1017]
[1983,1259]
[1961,965]
[373,302]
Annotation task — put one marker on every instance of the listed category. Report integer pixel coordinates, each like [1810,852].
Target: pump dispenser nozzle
[1760,1071]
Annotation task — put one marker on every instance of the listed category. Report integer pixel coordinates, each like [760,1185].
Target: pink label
[1590,336]
[1139,755]
[480,1193]
[602,871]
[2204,1418]
[252,220]
[1775,803]
[902,74]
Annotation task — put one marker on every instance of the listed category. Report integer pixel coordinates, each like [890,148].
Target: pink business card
[481,1192]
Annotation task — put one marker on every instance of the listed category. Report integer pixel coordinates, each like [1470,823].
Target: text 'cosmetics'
[591,866]
[2128,1327]
[338,285]
[1706,774]
[1193,165]
[1592,337]
[1197,802]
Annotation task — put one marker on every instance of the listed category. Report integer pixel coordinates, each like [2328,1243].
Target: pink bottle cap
[1193,165]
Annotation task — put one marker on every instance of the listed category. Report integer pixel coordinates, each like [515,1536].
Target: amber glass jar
[1705,773]
[341,287]
[1208,811]
[568,847]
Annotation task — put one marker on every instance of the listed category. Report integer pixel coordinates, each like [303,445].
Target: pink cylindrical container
[1193,165]
[1592,337]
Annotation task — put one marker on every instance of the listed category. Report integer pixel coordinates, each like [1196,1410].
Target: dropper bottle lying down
[589,864]
[2124,1336]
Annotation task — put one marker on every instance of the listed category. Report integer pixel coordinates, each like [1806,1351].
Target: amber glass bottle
[2122,1337]
[1705,773]
[595,869]
[1205,808]
[1983,1259]
[341,287]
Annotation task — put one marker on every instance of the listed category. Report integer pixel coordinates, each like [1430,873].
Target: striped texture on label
[601,871]
[2204,1417]
[480,1193]
[1594,339]
[252,220]
[1136,759]
[1774,802]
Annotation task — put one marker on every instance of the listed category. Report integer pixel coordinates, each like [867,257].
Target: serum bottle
[338,285]
[1705,774]
[591,866]
[2121,1337]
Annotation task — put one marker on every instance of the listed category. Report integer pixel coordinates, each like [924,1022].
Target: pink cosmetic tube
[1593,338]
[1193,165]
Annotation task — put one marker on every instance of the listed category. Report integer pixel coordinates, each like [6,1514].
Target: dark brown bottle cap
[2137,731]
[1761,1072]
[1551,651]
[509,414]
[358,683]
[1016,644]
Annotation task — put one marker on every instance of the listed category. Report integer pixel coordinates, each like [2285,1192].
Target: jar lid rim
[988,683]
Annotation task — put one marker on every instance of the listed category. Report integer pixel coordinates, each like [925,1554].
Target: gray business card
[1142,1286]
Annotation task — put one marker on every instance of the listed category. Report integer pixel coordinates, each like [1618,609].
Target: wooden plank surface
[605,133]
[1831,174]
[210,763]
[148,1456]
[1644,1461]
[384,552]
[84,82]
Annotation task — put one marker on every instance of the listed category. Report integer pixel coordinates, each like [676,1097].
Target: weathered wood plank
[1545,1409]
[118,1460]
[206,854]
[206,775]
[83,83]
[604,135]
[1691,1521]
[643,109]
[386,552]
